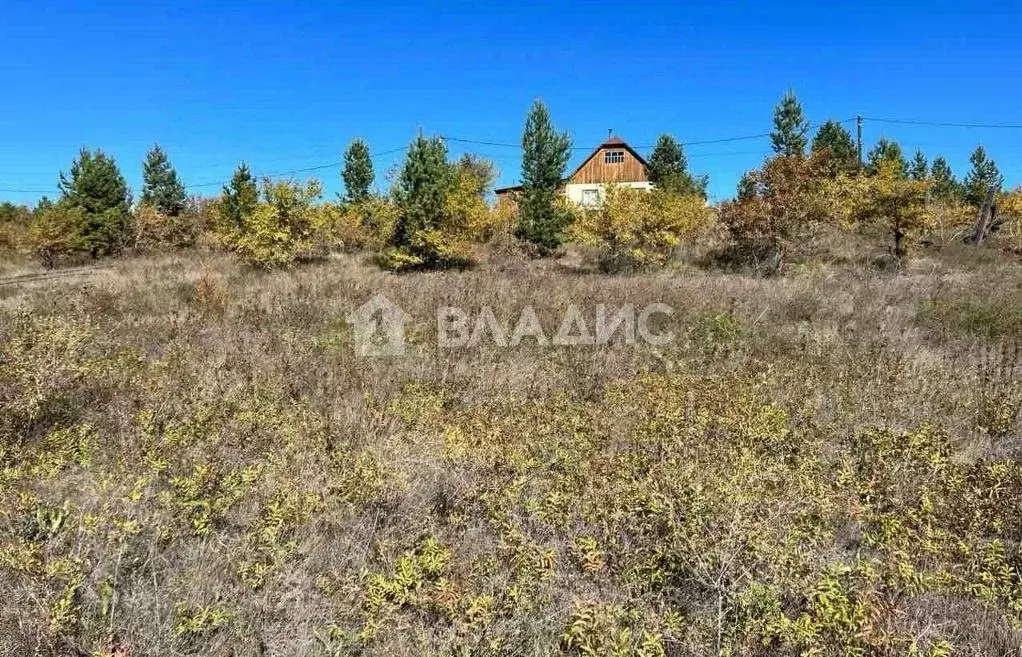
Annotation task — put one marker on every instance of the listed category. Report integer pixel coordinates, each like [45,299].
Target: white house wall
[576,191]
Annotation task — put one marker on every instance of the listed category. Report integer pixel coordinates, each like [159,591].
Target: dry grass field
[194,460]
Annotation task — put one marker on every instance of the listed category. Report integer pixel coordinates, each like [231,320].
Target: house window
[590,197]
[613,157]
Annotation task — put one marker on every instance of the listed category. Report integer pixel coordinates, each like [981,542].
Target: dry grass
[193,460]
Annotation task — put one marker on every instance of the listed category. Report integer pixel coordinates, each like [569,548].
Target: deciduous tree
[890,199]
[635,229]
[780,206]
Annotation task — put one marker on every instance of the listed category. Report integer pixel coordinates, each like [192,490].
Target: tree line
[437,214]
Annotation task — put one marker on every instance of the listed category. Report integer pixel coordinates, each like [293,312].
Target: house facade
[613,161]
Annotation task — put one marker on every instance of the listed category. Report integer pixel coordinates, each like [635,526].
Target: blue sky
[286,86]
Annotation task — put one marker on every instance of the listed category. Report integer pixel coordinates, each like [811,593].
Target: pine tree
[837,141]
[945,186]
[983,176]
[889,153]
[668,169]
[421,189]
[919,168]
[240,197]
[97,189]
[790,127]
[358,171]
[545,155]
[160,185]
[95,184]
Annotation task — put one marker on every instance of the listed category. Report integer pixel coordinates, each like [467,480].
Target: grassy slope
[194,461]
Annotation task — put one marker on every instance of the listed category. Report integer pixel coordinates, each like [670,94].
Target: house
[613,161]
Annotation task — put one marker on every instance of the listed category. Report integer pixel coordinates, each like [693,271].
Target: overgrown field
[193,460]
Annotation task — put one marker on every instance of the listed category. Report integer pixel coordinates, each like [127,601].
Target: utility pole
[858,140]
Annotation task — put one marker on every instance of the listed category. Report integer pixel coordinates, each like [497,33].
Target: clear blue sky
[286,86]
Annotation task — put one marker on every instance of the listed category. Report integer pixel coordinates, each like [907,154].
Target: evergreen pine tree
[358,171]
[545,155]
[668,169]
[240,197]
[421,191]
[945,186]
[983,176]
[836,140]
[790,127]
[919,168]
[160,185]
[96,187]
[886,152]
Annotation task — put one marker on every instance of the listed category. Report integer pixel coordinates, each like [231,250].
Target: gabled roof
[613,141]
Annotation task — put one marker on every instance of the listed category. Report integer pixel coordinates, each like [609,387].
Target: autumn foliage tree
[635,229]
[780,207]
[1010,207]
[890,200]
[281,229]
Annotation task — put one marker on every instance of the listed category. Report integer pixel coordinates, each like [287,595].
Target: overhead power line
[941,124]
[317,167]
[463,140]
[482,142]
[698,142]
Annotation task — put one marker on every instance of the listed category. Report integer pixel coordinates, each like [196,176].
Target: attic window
[613,157]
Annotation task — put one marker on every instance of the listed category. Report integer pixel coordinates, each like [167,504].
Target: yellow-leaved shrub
[284,227]
[887,199]
[634,228]
[1009,208]
[155,230]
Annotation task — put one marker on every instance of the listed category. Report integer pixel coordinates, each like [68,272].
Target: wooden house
[613,161]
